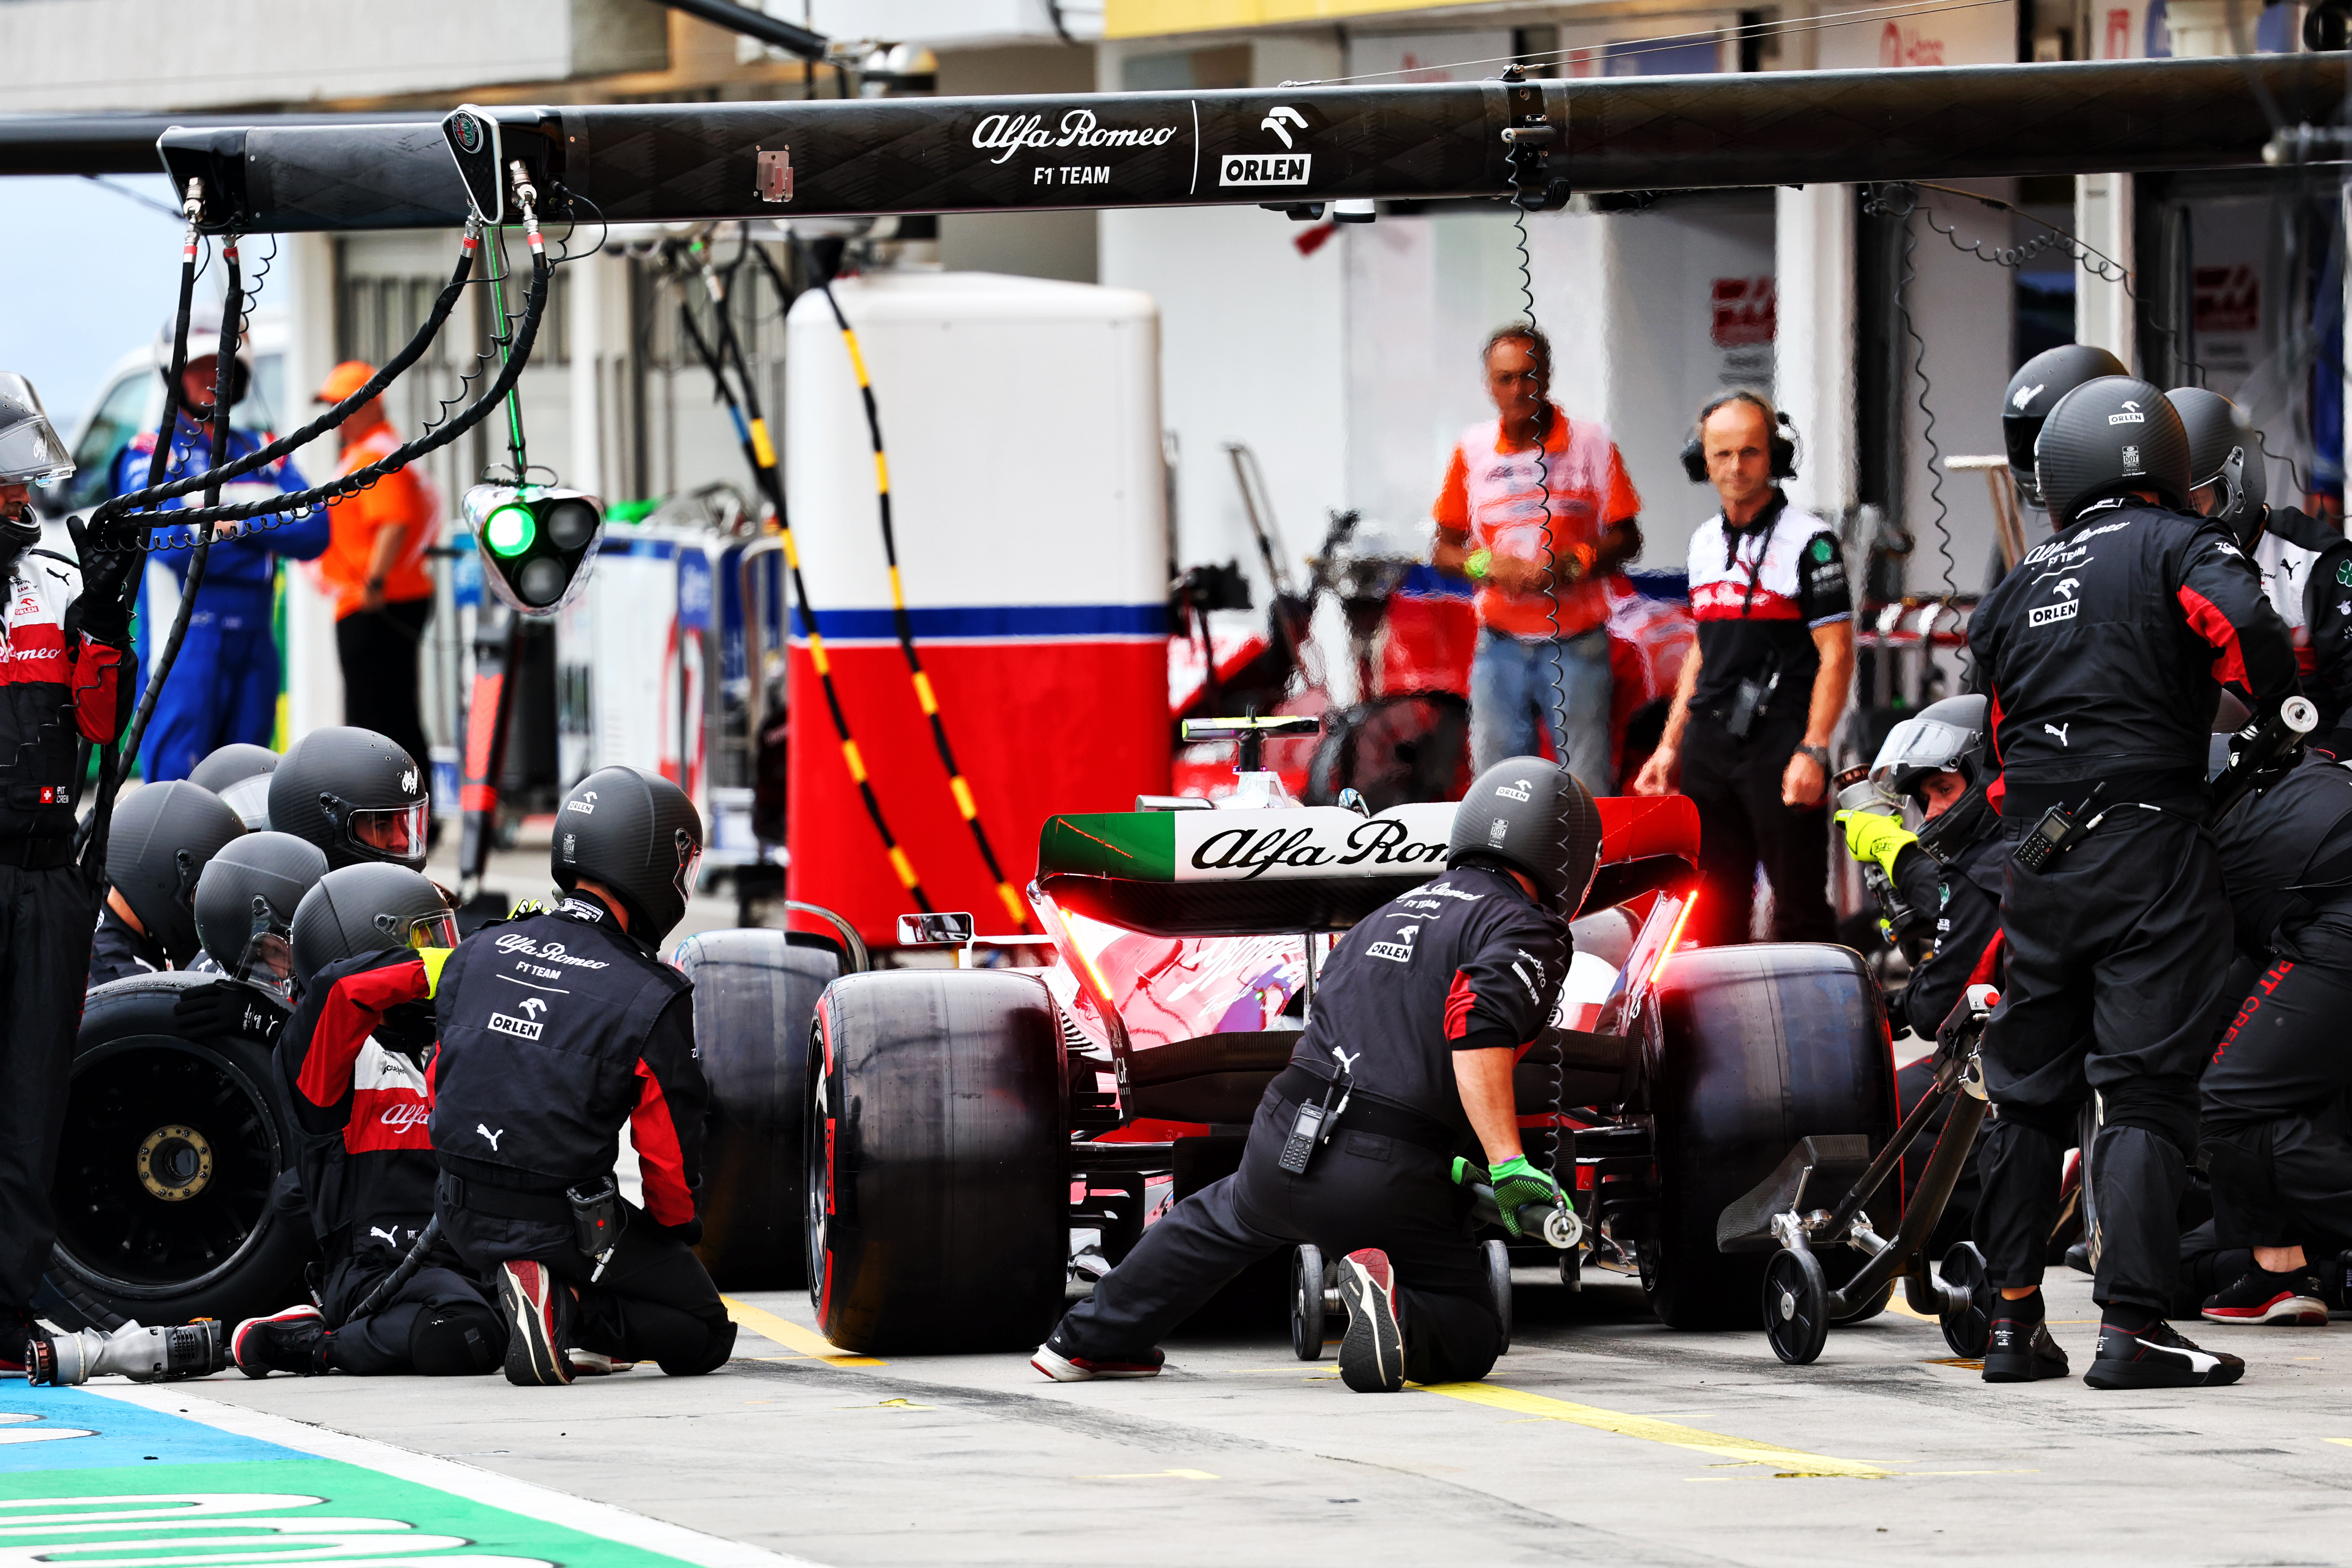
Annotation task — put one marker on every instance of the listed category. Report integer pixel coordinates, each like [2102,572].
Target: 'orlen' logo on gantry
[1264,168]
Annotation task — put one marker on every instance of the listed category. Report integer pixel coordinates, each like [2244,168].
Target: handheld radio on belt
[1317,1119]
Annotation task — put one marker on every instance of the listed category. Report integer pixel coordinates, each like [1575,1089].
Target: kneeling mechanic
[1419,1016]
[368,942]
[555,1030]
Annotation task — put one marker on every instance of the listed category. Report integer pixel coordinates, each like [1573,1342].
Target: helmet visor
[30,452]
[690,862]
[1919,745]
[250,798]
[269,954]
[396,832]
[439,930]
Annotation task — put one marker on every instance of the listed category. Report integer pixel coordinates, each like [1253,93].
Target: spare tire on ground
[167,1168]
[755,994]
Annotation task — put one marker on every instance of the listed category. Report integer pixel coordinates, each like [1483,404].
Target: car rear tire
[166,1169]
[938,1158]
[1745,1051]
[754,1006]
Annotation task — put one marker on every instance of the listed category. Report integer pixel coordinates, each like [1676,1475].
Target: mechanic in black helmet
[2305,560]
[2033,392]
[368,944]
[355,795]
[239,774]
[244,906]
[1420,1013]
[67,627]
[2103,653]
[163,837]
[556,1028]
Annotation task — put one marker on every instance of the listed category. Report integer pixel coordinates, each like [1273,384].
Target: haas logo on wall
[1899,46]
[1746,312]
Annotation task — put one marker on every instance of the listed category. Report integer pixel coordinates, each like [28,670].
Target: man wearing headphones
[1763,691]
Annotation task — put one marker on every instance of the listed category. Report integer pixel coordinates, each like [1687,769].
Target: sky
[88,275]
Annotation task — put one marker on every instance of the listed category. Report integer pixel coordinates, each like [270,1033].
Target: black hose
[390,1285]
[157,491]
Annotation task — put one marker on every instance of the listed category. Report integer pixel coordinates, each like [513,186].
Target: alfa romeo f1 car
[963,1125]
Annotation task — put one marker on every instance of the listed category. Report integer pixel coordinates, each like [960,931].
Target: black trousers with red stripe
[2273,1135]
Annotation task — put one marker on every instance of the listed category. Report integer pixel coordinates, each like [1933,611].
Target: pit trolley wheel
[1796,1306]
[1306,1302]
[1967,1329]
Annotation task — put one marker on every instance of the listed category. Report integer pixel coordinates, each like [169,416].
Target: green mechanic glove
[1517,1184]
[1871,836]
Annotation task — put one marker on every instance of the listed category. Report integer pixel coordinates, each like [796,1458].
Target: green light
[511,529]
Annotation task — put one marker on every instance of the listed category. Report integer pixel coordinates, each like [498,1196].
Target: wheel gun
[1856,793]
[2260,753]
[1556,1222]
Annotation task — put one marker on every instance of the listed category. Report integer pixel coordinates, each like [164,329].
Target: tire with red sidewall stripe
[938,1145]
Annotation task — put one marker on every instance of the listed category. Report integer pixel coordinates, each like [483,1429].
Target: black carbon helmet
[1534,816]
[2226,452]
[2034,391]
[638,834]
[1943,736]
[2108,436]
[366,908]
[239,774]
[353,793]
[163,834]
[246,897]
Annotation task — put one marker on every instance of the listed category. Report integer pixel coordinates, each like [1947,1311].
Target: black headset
[1784,447]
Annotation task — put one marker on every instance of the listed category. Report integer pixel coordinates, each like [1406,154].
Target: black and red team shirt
[2105,650]
[555,1030]
[365,1157]
[1758,594]
[1466,962]
[63,686]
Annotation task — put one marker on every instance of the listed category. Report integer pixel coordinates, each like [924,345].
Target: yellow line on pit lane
[808,1341]
[1791,1462]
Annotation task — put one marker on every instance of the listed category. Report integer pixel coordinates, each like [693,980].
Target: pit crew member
[1422,1009]
[163,837]
[366,943]
[2104,653]
[556,1027]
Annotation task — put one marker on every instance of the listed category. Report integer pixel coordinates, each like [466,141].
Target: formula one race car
[964,1124]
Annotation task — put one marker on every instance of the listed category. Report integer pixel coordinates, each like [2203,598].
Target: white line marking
[486,1487]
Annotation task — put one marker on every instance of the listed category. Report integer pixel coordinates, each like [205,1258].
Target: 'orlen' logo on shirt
[520,1028]
[1265,169]
[2047,615]
[1399,950]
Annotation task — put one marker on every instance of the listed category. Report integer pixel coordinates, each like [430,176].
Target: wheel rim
[168,1154]
[1795,1307]
[818,1170]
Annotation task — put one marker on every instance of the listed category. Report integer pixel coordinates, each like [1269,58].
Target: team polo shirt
[1498,498]
[1758,593]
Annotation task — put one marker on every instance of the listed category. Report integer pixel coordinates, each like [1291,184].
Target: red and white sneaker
[538,1307]
[292,1341]
[2263,1297]
[1086,1369]
[1371,1357]
[596,1364]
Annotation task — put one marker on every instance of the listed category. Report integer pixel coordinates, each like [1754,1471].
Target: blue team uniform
[223,686]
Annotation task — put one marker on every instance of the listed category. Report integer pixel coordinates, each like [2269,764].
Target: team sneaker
[2019,1350]
[292,1341]
[2157,1357]
[596,1364]
[538,1307]
[1064,1368]
[2263,1297]
[1371,1357]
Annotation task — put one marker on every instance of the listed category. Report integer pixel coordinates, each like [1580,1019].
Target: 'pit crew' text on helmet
[636,834]
[164,836]
[353,793]
[2034,391]
[2108,436]
[2225,451]
[366,908]
[245,903]
[1535,818]
[239,774]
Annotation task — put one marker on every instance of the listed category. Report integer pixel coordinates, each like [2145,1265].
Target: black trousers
[654,1302]
[2272,1133]
[440,1323]
[45,930]
[2115,953]
[379,649]
[1736,784]
[1360,1189]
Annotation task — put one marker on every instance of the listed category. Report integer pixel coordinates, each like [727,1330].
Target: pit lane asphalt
[1600,1435]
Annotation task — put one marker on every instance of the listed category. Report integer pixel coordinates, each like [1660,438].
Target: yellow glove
[1869,836]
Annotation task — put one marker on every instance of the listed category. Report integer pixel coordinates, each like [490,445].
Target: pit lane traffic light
[535,542]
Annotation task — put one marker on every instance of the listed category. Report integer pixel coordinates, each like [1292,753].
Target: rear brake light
[1674,936]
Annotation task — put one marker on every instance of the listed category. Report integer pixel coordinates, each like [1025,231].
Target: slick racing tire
[754,1004]
[1394,751]
[1747,1049]
[170,1149]
[938,1139]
